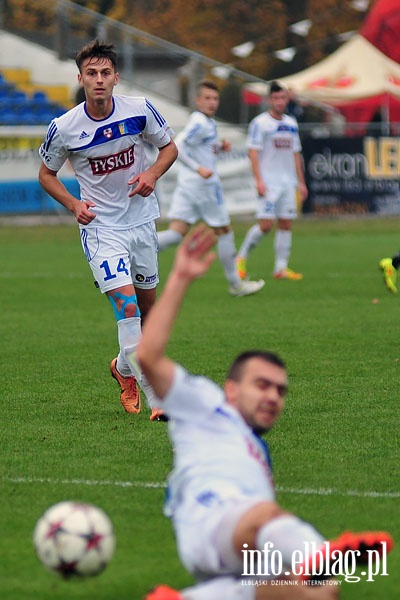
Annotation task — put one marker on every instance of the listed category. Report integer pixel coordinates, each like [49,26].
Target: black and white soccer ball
[71,538]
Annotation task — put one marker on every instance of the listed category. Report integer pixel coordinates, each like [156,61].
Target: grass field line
[158,484]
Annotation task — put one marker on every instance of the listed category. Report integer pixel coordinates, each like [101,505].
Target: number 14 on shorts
[109,274]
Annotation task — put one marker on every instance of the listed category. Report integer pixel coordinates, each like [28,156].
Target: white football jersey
[105,154]
[198,147]
[276,142]
[216,455]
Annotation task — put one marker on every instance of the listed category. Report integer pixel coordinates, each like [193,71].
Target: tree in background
[214,27]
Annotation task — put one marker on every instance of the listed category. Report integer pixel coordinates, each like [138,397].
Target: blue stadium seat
[18,98]
[8,117]
[39,97]
[16,108]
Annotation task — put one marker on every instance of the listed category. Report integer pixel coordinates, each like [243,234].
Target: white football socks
[129,333]
[226,253]
[282,247]
[288,534]
[169,237]
[252,239]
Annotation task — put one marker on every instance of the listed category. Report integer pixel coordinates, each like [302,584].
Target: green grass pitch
[64,435]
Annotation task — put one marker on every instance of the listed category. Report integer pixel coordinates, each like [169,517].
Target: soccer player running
[103,138]
[198,195]
[221,495]
[275,155]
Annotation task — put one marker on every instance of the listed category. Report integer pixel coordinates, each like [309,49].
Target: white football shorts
[199,203]
[119,257]
[205,535]
[279,202]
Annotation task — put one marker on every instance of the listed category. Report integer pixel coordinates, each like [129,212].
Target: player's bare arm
[204,172]
[144,183]
[193,259]
[255,167]
[54,187]
[300,175]
[187,159]
[225,146]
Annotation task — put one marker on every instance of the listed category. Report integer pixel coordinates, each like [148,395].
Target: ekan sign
[352,175]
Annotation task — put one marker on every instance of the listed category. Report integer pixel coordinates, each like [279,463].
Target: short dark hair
[275,86]
[208,84]
[236,368]
[97,49]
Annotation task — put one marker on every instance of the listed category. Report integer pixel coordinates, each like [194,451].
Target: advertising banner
[354,175]
[20,192]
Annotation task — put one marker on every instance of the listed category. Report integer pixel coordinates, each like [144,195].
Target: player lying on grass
[221,495]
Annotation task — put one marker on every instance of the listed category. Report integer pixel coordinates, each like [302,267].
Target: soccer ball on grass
[74,539]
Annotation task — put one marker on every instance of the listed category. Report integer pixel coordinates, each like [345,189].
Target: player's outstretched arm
[192,260]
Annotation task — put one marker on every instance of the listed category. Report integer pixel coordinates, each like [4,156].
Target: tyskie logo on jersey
[103,165]
[283,143]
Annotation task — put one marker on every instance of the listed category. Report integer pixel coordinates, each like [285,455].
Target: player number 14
[121,268]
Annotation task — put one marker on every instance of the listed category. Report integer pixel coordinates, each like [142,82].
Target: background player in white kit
[103,138]
[275,155]
[198,195]
[221,495]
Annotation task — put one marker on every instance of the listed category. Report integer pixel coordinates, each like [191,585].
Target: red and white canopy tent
[381,27]
[357,79]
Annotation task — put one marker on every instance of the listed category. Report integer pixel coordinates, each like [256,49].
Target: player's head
[207,97]
[256,385]
[97,64]
[278,99]
[96,51]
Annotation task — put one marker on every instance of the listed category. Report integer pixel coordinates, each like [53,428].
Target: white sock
[129,333]
[287,534]
[220,588]
[148,391]
[282,246]
[169,237]
[252,239]
[226,254]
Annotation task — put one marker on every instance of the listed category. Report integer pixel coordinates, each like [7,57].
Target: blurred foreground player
[221,496]
[103,138]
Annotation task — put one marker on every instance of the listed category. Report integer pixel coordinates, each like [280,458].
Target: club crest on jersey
[122,128]
[108,132]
